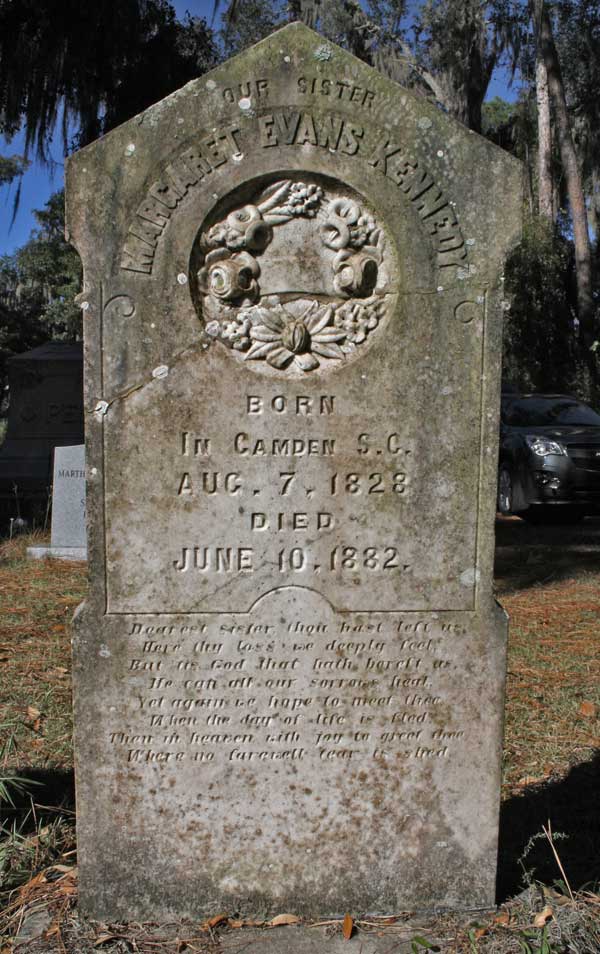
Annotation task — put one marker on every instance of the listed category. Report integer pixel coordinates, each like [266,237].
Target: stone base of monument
[57,553]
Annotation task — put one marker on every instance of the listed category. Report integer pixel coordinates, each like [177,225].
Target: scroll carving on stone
[297,279]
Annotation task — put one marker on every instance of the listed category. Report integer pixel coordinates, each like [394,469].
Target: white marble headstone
[67,537]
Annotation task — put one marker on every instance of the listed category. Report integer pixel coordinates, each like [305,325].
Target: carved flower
[282,201]
[229,276]
[243,228]
[341,215]
[236,330]
[304,199]
[281,337]
[365,232]
[249,224]
[215,237]
[357,319]
[356,273]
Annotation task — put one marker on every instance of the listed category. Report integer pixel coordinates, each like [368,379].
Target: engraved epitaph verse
[288,673]
[291,691]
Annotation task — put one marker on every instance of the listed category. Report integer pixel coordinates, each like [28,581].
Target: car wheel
[505,492]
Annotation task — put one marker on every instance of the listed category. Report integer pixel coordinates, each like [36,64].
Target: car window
[545,412]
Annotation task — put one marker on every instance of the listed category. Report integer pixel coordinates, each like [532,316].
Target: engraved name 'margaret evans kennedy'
[292,318]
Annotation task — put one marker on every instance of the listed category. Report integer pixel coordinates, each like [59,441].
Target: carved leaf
[371,251]
[307,362]
[273,195]
[327,350]
[276,218]
[280,358]
[330,334]
[316,322]
[346,209]
[301,308]
[257,314]
[260,333]
[217,255]
[261,349]
[272,321]
[335,234]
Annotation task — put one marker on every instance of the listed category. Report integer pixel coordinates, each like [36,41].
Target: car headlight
[543,447]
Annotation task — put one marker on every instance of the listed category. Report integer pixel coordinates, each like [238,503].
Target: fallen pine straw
[539,913]
[55,887]
[553,685]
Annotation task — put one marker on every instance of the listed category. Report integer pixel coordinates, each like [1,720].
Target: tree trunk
[583,256]
[593,216]
[528,180]
[593,210]
[542,96]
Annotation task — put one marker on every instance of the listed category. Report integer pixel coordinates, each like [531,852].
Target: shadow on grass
[52,792]
[572,805]
[527,554]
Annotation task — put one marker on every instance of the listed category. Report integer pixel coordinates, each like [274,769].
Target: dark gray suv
[549,466]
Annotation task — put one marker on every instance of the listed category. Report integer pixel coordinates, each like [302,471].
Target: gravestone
[289,671]
[67,533]
[45,410]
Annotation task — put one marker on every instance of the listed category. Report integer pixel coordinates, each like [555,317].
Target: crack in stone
[102,405]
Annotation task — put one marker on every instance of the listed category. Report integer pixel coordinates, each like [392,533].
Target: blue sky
[39,181]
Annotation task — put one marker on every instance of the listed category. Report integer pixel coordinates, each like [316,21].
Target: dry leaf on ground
[214,921]
[347,926]
[541,918]
[233,923]
[284,919]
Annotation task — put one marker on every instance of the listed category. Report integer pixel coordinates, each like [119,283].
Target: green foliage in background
[11,167]
[49,272]
[79,69]
[90,66]
[258,20]
[541,343]
[38,284]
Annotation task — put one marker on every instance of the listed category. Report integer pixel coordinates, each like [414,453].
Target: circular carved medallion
[297,279]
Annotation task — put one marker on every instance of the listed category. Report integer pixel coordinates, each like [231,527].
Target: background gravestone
[67,535]
[289,672]
[45,410]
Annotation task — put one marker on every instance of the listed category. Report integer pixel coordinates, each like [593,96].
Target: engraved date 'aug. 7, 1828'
[299,494]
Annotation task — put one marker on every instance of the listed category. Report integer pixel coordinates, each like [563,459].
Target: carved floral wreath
[303,333]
